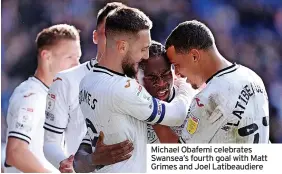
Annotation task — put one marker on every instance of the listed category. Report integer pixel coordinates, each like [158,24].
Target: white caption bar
[215,158]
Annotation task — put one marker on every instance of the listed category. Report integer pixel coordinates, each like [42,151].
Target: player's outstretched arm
[19,156]
[56,121]
[133,99]
[87,161]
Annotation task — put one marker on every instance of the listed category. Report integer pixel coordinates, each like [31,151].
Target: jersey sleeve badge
[192,124]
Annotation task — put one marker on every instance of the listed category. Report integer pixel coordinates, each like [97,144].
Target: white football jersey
[63,114]
[152,136]
[25,119]
[232,108]
[121,108]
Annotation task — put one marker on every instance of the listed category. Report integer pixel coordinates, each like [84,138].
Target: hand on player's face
[111,154]
[158,78]
[66,166]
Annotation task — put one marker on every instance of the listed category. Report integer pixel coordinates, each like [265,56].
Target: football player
[58,49]
[232,108]
[64,120]
[113,102]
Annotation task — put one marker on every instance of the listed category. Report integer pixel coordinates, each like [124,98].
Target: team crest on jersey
[192,124]
[50,103]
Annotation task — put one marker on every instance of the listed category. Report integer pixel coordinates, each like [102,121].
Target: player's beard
[128,66]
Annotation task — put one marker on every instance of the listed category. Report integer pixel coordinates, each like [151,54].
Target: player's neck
[218,63]
[43,76]
[111,62]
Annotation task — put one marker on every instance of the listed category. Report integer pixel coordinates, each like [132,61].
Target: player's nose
[146,55]
[161,82]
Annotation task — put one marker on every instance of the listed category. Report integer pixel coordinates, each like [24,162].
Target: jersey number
[90,125]
[251,129]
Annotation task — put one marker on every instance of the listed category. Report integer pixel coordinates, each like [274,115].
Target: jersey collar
[223,71]
[90,64]
[171,95]
[40,82]
[110,72]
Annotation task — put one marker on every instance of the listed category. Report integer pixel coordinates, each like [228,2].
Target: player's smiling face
[187,64]
[158,77]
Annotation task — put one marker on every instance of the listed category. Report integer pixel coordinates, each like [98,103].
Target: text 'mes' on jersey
[121,108]
[232,108]
[63,114]
[25,119]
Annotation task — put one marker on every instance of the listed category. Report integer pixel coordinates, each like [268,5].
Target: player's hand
[111,154]
[66,166]
[178,80]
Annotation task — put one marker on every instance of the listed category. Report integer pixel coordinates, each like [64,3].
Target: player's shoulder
[74,74]
[235,74]
[32,84]
[127,85]
[29,91]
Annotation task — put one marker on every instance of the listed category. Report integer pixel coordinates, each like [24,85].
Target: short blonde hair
[51,35]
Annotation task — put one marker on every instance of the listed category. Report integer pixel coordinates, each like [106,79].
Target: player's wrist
[94,163]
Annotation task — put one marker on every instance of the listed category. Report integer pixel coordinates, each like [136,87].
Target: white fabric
[25,119]
[65,126]
[152,136]
[232,108]
[121,108]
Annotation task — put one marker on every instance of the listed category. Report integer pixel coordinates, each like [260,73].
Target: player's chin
[194,86]
[136,66]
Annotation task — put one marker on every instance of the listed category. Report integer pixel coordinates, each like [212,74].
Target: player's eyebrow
[147,47]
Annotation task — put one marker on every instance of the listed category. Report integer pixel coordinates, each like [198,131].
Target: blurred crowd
[246,32]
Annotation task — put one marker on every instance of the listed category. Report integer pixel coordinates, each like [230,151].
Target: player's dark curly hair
[156,49]
[102,14]
[188,35]
[126,20]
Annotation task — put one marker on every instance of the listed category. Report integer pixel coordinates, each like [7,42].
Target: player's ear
[95,37]
[45,54]
[122,46]
[195,55]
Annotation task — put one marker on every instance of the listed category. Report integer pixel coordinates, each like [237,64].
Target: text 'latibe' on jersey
[246,93]
[85,96]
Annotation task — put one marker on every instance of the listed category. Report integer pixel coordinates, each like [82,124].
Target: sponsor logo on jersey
[127,84]
[139,90]
[23,127]
[225,128]
[58,78]
[53,96]
[192,124]
[49,116]
[25,96]
[199,103]
[152,137]
[29,109]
